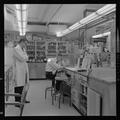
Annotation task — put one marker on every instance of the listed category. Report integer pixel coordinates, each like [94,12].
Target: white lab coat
[21,67]
[86,62]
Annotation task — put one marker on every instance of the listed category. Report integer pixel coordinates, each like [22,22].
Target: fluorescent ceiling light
[24,23]
[66,31]
[20,30]
[24,33]
[18,15]
[101,35]
[106,9]
[18,6]
[24,15]
[74,26]
[21,34]
[88,18]
[107,33]
[19,24]
[24,6]
[58,34]
[24,30]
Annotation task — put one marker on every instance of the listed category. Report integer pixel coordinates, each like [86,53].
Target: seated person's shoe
[17,106]
[27,101]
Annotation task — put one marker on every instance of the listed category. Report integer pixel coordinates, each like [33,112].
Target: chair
[65,89]
[51,88]
[23,98]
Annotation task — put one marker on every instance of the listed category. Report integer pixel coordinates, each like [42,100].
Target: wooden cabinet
[79,91]
[103,81]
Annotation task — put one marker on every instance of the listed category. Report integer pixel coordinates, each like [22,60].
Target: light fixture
[24,30]
[74,26]
[101,35]
[90,18]
[18,15]
[20,30]
[58,34]
[19,24]
[66,31]
[106,9]
[21,14]
[18,6]
[24,15]
[24,23]
[24,6]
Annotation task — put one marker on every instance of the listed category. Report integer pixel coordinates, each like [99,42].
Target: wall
[107,26]
[110,26]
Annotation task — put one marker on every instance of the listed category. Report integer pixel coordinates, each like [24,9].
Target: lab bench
[94,94]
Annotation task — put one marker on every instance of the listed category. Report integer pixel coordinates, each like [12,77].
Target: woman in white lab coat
[87,60]
[9,64]
[22,73]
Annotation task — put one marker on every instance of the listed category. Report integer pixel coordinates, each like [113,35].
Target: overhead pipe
[54,15]
[44,23]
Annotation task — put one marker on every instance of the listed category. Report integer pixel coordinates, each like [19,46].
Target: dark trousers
[19,90]
[51,76]
[58,83]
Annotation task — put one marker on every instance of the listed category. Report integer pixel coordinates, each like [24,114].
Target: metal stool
[59,93]
[51,88]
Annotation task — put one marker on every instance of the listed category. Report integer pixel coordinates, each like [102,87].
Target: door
[93,103]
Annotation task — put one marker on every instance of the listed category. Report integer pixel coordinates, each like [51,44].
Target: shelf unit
[51,48]
[36,50]
[31,50]
[40,50]
[45,47]
[62,47]
[79,90]
[80,84]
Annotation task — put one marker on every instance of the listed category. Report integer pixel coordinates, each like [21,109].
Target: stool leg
[70,102]
[21,110]
[63,98]
[59,100]
[55,97]
[45,93]
[51,91]
[52,99]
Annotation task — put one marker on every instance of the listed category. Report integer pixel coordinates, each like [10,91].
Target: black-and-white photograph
[60,59]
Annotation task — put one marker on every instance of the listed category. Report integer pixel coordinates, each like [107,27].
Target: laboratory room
[60,59]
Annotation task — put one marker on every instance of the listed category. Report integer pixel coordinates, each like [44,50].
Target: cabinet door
[75,97]
[93,103]
[41,70]
[32,70]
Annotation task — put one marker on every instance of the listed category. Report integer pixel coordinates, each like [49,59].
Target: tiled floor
[38,106]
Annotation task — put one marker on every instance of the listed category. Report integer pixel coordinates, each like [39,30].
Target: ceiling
[49,18]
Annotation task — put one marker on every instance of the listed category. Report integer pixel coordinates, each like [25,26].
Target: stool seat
[62,78]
